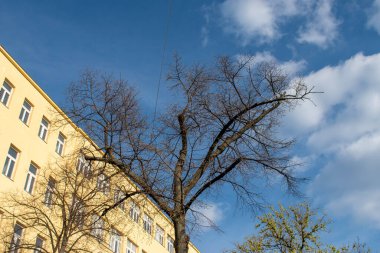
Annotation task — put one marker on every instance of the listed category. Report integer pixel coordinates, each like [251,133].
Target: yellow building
[30,145]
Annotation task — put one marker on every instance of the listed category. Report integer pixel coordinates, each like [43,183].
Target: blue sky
[334,45]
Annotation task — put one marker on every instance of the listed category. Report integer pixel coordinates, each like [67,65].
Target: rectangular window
[159,235]
[14,247]
[49,194]
[25,112]
[44,126]
[97,227]
[30,179]
[5,93]
[83,166]
[131,247]
[147,224]
[60,144]
[10,162]
[119,195]
[39,245]
[78,214]
[103,184]
[134,212]
[115,242]
[170,244]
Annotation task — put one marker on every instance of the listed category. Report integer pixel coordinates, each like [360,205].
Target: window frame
[38,248]
[79,208]
[118,195]
[97,232]
[31,178]
[131,247]
[170,244]
[4,92]
[103,183]
[16,238]
[43,130]
[134,211]
[25,112]
[49,193]
[115,241]
[160,237]
[10,163]
[83,166]
[147,223]
[60,144]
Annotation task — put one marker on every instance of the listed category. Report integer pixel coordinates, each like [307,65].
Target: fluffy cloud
[322,28]
[250,18]
[208,215]
[374,17]
[345,127]
[290,67]
[260,20]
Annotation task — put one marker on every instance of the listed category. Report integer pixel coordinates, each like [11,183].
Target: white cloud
[250,18]
[374,17]
[208,214]
[345,127]
[261,20]
[322,28]
[291,67]
[342,104]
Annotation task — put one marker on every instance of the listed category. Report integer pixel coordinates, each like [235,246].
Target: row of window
[103,185]
[26,110]
[103,182]
[14,246]
[116,240]
[9,167]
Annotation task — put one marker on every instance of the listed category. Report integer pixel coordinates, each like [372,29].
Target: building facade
[32,146]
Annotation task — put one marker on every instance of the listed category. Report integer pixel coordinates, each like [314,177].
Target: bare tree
[220,129]
[65,209]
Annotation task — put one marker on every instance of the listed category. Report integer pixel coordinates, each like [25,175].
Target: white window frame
[97,227]
[147,223]
[118,195]
[5,93]
[115,241]
[83,166]
[60,144]
[49,193]
[10,162]
[79,210]
[134,212]
[16,238]
[131,247]
[25,112]
[170,244]
[44,127]
[39,245]
[31,178]
[160,233]
[103,184]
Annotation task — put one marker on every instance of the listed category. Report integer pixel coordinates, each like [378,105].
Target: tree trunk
[181,243]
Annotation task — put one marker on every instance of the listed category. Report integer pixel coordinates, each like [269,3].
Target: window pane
[10,162]
[59,145]
[5,92]
[27,105]
[12,152]
[43,129]
[31,177]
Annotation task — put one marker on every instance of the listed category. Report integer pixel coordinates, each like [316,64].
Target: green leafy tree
[292,230]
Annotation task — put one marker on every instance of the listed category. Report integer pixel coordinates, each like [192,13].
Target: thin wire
[170,3]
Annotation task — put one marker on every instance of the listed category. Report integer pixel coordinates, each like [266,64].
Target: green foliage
[292,230]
